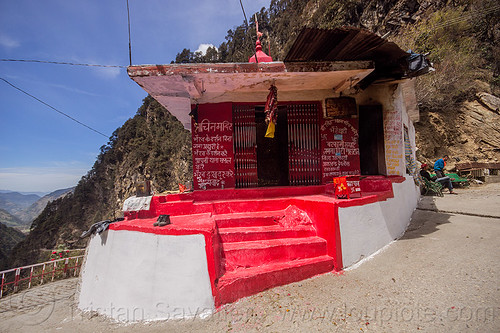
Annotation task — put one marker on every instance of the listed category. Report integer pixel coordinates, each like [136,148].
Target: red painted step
[181,208]
[242,234]
[248,219]
[262,252]
[245,282]
[260,205]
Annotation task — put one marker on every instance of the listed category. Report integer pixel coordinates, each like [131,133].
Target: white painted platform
[366,229]
[133,276]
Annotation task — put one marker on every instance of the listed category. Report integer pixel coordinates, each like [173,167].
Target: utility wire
[129,40]
[53,108]
[245,15]
[62,63]
[466,17]
[246,25]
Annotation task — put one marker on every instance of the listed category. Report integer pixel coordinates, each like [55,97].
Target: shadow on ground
[425,221]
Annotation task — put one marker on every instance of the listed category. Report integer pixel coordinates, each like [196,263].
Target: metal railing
[16,279]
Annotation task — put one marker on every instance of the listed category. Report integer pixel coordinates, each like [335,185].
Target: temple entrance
[272,153]
[371,140]
[292,157]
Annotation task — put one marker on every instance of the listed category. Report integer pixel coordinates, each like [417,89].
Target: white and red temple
[263,212]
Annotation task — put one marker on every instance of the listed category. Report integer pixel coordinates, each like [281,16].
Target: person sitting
[445,181]
[439,166]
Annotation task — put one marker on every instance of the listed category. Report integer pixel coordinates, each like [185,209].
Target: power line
[245,15]
[129,40]
[466,17]
[53,108]
[246,25]
[62,63]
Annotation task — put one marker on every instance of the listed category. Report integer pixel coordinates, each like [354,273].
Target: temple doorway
[292,157]
[371,140]
[272,153]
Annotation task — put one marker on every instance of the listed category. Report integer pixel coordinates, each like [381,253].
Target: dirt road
[443,275]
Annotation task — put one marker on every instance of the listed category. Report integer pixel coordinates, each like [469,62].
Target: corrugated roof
[342,44]
[348,44]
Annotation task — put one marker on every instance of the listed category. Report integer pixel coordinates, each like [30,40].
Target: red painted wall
[339,148]
[213,155]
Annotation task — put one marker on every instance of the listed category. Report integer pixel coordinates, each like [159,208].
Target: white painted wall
[410,111]
[393,105]
[132,276]
[366,229]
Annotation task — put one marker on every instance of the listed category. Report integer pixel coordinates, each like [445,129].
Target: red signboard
[213,156]
[354,187]
[341,188]
[339,148]
[347,187]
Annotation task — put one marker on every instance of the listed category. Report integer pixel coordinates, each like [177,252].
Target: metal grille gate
[304,167]
[245,152]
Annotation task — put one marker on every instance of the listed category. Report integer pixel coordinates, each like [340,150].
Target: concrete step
[262,252]
[243,234]
[248,281]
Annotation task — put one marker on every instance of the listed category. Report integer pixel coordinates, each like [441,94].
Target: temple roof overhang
[177,86]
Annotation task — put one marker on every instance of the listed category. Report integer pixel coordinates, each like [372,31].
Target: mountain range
[40,194]
[16,203]
[19,210]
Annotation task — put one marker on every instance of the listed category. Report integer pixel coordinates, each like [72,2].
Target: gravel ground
[441,276]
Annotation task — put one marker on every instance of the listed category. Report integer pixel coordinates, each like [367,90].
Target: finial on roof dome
[259,55]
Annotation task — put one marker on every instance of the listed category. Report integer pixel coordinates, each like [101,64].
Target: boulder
[490,101]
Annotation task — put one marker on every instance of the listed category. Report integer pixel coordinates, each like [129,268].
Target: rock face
[469,133]
[388,15]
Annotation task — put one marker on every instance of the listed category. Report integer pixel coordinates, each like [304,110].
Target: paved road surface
[442,276]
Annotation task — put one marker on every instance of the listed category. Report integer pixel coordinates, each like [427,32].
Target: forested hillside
[152,145]
[30,213]
[9,237]
[8,219]
[462,36]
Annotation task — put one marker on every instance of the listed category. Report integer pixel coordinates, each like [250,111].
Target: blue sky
[41,150]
